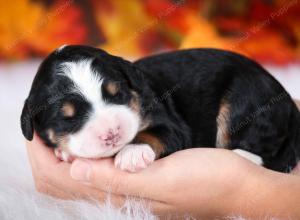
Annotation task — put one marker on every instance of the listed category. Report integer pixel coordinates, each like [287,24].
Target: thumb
[103,175]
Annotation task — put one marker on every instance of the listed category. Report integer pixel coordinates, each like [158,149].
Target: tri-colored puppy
[87,103]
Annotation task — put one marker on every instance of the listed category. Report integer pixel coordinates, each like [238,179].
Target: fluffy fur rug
[18,198]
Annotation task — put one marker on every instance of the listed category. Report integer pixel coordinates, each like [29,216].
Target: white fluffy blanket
[18,198]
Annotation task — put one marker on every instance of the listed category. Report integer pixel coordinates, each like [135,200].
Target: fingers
[65,187]
[52,177]
[104,181]
[103,175]
[37,150]
[41,158]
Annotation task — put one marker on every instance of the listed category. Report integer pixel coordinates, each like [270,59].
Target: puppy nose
[108,137]
[111,137]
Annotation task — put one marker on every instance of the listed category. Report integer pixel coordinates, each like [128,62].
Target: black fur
[180,93]
[263,118]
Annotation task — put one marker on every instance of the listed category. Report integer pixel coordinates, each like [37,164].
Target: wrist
[268,194]
[242,194]
[239,191]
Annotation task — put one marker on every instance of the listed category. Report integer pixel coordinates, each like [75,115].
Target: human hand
[203,182]
[168,184]
[52,176]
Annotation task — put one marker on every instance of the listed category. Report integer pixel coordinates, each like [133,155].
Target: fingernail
[80,170]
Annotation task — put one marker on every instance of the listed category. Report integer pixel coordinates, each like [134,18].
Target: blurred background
[265,30]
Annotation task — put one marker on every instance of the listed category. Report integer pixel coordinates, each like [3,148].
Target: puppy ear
[134,76]
[26,122]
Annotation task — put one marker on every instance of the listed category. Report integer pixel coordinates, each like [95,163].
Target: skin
[188,181]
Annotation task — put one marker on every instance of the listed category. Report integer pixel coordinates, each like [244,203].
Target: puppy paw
[134,157]
[250,156]
[62,155]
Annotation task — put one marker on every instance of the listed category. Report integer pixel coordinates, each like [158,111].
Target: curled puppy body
[87,103]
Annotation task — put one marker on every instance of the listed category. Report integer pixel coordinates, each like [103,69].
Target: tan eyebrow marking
[112,88]
[68,109]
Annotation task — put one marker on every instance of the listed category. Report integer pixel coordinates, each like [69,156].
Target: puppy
[87,103]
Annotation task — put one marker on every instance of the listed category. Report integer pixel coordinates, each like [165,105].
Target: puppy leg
[134,157]
[147,146]
[250,156]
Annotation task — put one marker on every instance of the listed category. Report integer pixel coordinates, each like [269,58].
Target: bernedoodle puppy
[87,103]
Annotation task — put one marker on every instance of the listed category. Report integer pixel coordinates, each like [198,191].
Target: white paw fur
[134,157]
[250,156]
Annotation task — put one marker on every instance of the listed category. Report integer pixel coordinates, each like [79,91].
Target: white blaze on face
[109,127]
